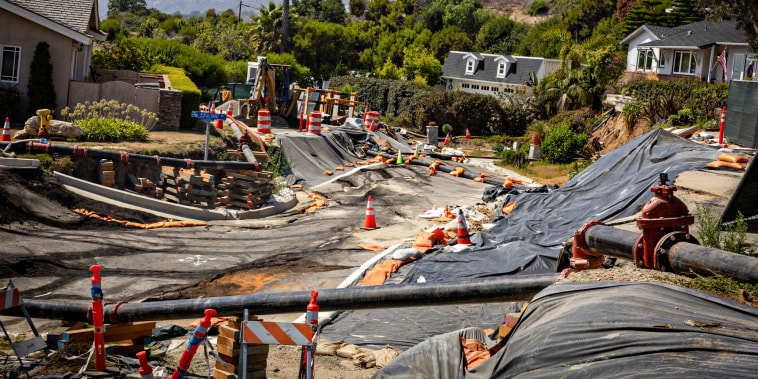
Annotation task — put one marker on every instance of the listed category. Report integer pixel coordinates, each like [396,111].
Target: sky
[187,6]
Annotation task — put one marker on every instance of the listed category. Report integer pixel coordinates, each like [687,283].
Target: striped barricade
[276,333]
[9,298]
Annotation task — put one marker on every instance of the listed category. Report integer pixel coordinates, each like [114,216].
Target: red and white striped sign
[276,333]
[9,298]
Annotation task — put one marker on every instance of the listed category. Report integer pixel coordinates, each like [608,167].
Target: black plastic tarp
[516,258]
[605,330]
[613,187]
[406,327]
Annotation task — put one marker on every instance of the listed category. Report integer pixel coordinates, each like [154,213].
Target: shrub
[10,102]
[481,114]
[561,144]
[683,117]
[537,7]
[190,92]
[109,109]
[393,97]
[41,91]
[205,70]
[498,147]
[710,231]
[517,158]
[631,112]
[112,129]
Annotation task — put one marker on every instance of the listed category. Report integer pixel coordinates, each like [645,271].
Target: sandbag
[364,358]
[722,164]
[325,347]
[347,350]
[733,158]
[385,356]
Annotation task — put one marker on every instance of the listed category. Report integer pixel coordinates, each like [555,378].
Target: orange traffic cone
[447,139]
[370,222]
[462,230]
[6,131]
[468,135]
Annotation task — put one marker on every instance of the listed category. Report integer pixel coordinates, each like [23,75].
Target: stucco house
[493,74]
[69,26]
[688,51]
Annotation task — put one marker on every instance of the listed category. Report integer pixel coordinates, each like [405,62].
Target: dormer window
[502,62]
[470,66]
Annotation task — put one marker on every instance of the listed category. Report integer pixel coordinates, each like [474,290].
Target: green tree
[419,61]
[41,91]
[685,12]
[389,71]
[318,37]
[432,15]
[124,55]
[650,12]
[534,44]
[357,7]
[266,32]
[375,9]
[230,43]
[500,35]
[132,6]
[582,18]
[447,39]
[333,11]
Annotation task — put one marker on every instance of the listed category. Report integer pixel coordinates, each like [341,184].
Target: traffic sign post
[208,117]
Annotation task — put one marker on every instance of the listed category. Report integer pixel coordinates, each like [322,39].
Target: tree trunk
[285,25]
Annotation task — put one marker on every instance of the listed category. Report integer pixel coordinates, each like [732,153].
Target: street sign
[208,116]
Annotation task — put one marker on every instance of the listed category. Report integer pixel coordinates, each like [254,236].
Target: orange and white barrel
[314,122]
[264,121]
[372,120]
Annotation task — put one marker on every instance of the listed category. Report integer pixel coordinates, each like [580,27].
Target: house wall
[17,31]
[631,57]
[503,89]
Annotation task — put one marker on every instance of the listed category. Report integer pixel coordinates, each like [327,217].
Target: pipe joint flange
[666,243]
[579,248]
[113,316]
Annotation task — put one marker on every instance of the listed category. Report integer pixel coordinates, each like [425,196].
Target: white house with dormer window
[494,74]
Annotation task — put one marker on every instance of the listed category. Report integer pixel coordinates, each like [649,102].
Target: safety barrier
[264,121]
[314,122]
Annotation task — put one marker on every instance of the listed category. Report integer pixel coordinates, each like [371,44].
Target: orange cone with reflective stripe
[447,139]
[370,222]
[6,131]
[462,230]
[468,135]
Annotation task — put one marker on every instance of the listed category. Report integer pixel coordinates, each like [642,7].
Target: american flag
[722,62]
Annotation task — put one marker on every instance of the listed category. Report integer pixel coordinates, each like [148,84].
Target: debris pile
[188,186]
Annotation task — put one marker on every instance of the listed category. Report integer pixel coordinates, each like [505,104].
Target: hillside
[516,8]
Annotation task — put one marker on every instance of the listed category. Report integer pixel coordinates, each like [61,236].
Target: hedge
[190,92]
[392,97]
[481,114]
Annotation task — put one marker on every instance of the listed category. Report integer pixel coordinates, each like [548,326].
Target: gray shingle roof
[486,70]
[73,14]
[701,34]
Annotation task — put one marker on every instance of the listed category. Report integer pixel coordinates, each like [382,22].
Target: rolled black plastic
[519,288]
[606,240]
[117,156]
[686,257]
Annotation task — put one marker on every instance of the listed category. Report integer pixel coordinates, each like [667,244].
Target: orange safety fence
[170,223]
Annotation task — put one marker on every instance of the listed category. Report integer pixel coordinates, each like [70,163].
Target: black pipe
[682,257]
[118,156]
[686,257]
[606,240]
[516,288]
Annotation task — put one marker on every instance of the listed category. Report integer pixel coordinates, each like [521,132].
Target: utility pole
[285,25]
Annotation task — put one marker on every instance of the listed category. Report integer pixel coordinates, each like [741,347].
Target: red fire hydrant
[663,214]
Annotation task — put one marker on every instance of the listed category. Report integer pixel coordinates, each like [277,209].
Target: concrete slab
[19,163]
[716,182]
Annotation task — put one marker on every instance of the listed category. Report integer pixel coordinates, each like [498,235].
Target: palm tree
[564,83]
[267,29]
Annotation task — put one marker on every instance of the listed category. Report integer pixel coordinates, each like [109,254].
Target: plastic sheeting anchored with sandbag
[605,330]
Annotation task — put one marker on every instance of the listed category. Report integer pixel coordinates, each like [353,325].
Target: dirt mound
[30,196]
[614,134]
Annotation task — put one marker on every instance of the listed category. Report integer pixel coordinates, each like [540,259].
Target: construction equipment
[266,94]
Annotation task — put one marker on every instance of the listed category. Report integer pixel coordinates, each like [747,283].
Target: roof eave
[54,26]
[636,31]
